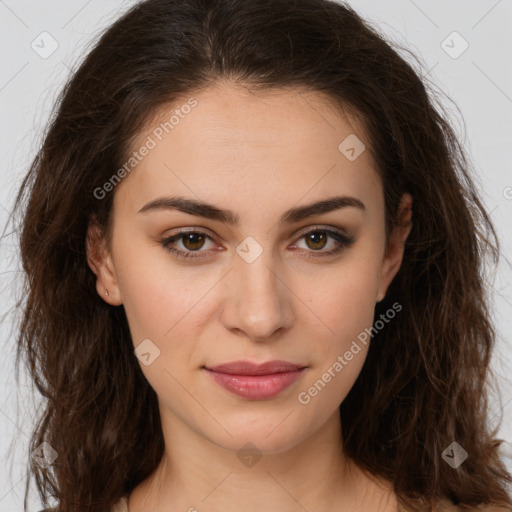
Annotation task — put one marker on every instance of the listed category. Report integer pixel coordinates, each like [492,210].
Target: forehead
[240,115]
[268,144]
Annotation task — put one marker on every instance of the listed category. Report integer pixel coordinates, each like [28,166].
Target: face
[271,280]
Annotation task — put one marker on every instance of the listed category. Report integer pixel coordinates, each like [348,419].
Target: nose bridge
[258,301]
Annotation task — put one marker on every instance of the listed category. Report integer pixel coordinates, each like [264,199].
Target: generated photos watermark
[304,397]
[151,142]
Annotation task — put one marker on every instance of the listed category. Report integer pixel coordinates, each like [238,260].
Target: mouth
[255,381]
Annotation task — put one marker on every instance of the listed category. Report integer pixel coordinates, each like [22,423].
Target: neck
[196,474]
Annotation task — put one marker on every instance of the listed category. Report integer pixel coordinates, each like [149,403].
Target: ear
[395,249]
[100,261]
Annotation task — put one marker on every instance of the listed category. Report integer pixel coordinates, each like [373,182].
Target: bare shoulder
[121,505]
[486,508]
[448,506]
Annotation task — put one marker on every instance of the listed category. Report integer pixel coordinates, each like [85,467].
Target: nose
[257,302]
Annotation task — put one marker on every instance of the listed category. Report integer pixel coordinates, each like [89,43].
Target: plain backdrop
[464,47]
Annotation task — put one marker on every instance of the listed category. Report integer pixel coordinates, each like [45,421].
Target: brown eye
[193,241]
[316,240]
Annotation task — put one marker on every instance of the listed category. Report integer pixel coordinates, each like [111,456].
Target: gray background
[479,81]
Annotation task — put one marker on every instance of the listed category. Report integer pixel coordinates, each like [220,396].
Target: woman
[253,252]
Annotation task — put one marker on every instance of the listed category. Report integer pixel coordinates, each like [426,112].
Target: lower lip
[256,387]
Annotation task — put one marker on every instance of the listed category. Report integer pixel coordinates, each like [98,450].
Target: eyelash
[345,241]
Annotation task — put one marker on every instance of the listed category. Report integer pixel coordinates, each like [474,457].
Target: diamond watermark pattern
[44,45]
[351,147]
[147,352]
[44,455]
[249,455]
[249,250]
[454,455]
[454,45]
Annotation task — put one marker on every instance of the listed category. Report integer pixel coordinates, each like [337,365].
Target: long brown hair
[424,384]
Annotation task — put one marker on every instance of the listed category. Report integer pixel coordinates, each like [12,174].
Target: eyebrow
[209,211]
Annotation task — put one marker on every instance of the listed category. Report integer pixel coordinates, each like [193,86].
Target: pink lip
[255,381]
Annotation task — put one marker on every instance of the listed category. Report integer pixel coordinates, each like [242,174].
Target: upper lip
[248,368]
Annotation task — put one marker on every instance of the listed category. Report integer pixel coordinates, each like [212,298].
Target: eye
[192,241]
[316,240]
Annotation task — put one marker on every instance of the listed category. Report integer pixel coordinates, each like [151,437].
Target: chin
[269,437]
[258,442]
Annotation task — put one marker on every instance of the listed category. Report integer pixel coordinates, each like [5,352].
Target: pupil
[189,239]
[313,238]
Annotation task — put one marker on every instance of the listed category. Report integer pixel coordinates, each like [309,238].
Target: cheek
[338,356]
[165,308]
[167,304]
[158,295]
[344,299]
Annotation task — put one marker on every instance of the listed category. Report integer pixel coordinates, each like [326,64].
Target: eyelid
[319,227]
[300,233]
[347,240]
[194,229]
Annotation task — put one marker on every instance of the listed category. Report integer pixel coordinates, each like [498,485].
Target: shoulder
[120,506]
[446,505]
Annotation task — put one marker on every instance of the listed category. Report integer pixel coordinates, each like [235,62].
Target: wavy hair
[425,382]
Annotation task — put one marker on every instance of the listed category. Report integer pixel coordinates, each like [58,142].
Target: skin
[257,154]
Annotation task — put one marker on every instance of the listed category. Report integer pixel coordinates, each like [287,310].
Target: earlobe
[395,249]
[100,262]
